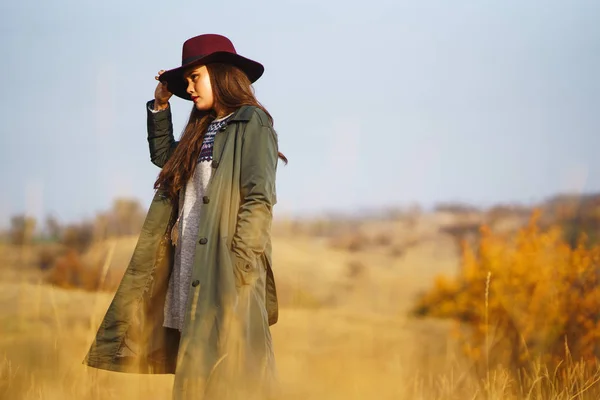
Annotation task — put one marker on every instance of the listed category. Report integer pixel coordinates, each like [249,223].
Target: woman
[198,296]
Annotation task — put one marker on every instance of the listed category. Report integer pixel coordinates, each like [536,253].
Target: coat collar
[243,114]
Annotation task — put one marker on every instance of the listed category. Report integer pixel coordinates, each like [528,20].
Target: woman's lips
[194,98]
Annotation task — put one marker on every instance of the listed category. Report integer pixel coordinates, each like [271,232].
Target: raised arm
[160,134]
[160,125]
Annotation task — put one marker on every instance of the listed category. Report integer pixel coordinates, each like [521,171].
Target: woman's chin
[201,107]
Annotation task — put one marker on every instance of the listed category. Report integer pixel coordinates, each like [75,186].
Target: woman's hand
[161,94]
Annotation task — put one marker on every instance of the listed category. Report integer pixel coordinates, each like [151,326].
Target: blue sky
[377,103]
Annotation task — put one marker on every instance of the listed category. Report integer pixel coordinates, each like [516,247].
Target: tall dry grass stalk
[487,325]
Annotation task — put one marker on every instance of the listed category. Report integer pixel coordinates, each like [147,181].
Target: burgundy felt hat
[206,49]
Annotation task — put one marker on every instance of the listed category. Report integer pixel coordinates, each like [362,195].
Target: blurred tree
[456,208]
[463,234]
[53,228]
[523,299]
[101,227]
[78,236]
[22,229]
[125,218]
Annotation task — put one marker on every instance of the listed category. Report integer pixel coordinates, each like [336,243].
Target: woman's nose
[190,88]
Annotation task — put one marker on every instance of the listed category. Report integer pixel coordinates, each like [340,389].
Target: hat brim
[176,83]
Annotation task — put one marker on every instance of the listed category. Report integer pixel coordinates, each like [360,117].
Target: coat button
[203,241]
[215,164]
[206,200]
[195,283]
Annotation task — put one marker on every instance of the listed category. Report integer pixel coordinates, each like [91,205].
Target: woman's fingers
[159,74]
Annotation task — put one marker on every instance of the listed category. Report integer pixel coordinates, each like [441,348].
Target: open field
[344,331]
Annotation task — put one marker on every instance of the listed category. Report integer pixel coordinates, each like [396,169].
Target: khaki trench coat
[225,344]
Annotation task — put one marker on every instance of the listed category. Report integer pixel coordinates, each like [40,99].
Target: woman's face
[199,88]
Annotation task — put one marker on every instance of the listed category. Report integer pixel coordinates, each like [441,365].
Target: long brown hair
[231,90]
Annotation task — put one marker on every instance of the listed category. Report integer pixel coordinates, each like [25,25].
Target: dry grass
[322,354]
[342,334]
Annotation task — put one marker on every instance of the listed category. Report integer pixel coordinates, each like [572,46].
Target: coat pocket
[246,271]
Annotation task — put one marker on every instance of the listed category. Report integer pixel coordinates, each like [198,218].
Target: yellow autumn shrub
[523,298]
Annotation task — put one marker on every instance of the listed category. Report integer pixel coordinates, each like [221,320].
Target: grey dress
[190,207]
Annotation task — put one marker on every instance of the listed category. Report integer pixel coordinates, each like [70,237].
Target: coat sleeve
[257,191]
[160,134]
